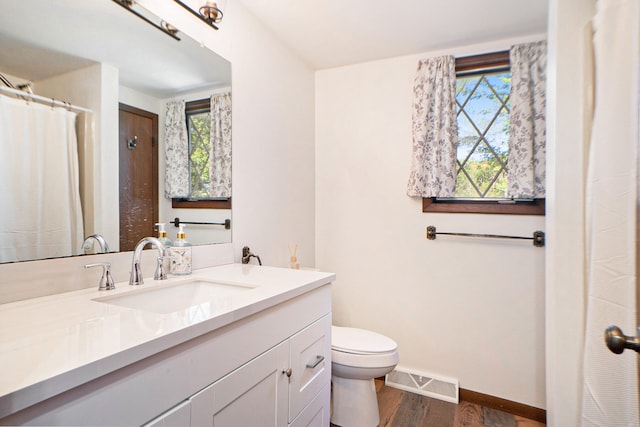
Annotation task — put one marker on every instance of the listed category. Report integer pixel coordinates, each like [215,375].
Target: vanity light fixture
[210,12]
[165,27]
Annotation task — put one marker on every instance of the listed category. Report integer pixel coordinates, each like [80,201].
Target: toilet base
[354,403]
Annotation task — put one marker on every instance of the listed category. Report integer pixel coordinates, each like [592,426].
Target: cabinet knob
[288,372]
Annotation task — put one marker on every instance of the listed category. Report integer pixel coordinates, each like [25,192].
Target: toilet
[357,357]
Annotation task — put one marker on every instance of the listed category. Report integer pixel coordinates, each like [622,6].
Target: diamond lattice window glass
[483,133]
[199,126]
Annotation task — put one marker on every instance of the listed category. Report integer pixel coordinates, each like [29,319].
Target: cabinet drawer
[177,416]
[317,413]
[310,359]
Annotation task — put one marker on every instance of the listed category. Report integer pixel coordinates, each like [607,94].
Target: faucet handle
[106,280]
[247,255]
[161,272]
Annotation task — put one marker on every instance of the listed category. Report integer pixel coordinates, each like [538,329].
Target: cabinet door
[317,413]
[177,416]
[310,364]
[253,395]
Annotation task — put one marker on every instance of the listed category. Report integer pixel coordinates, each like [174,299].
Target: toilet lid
[361,341]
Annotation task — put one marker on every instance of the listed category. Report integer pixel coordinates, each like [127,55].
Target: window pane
[483,134]
[199,150]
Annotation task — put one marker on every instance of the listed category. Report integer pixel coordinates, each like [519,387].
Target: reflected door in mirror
[138,151]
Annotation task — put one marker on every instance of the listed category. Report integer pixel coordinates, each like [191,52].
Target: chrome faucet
[102,243]
[136,271]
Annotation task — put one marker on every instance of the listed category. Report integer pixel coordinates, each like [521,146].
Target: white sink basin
[164,299]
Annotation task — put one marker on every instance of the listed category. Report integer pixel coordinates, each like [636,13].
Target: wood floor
[403,409]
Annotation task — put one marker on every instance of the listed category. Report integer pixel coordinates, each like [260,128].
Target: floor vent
[425,384]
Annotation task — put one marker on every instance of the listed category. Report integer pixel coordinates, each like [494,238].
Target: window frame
[195,107]
[464,65]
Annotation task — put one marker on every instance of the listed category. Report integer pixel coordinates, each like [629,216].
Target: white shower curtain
[610,389]
[41,214]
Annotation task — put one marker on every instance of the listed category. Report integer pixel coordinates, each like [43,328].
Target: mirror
[99,56]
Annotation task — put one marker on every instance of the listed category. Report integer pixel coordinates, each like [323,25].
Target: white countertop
[51,344]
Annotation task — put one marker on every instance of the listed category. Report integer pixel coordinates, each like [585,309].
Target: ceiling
[333,33]
[325,34]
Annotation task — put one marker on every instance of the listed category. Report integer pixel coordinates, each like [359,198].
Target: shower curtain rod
[43,100]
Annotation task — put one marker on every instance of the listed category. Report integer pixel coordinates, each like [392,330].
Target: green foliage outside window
[199,125]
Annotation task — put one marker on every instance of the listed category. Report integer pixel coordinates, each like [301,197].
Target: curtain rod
[43,100]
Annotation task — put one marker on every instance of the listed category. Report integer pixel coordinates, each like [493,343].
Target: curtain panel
[220,166]
[435,129]
[176,151]
[526,166]
[42,212]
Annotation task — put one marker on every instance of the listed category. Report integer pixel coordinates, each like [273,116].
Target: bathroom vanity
[230,345]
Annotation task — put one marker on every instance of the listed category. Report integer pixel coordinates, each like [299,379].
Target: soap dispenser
[181,254]
[162,234]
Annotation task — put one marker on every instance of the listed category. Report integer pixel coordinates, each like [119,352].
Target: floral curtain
[176,146]
[435,129]
[526,167]
[220,168]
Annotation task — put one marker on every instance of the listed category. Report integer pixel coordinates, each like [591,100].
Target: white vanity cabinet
[253,395]
[234,375]
[274,388]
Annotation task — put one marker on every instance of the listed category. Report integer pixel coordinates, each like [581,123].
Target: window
[483,84]
[483,133]
[198,118]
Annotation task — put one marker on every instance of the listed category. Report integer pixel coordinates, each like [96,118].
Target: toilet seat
[360,341]
[362,348]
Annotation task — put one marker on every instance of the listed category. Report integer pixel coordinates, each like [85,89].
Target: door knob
[617,341]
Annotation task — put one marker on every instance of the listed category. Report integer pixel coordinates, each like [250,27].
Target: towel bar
[538,236]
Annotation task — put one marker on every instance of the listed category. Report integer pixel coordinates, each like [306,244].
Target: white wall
[461,308]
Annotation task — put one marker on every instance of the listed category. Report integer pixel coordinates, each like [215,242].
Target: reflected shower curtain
[85,132]
[610,388]
[41,214]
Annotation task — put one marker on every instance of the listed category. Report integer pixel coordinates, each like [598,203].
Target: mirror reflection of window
[199,134]
[207,168]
